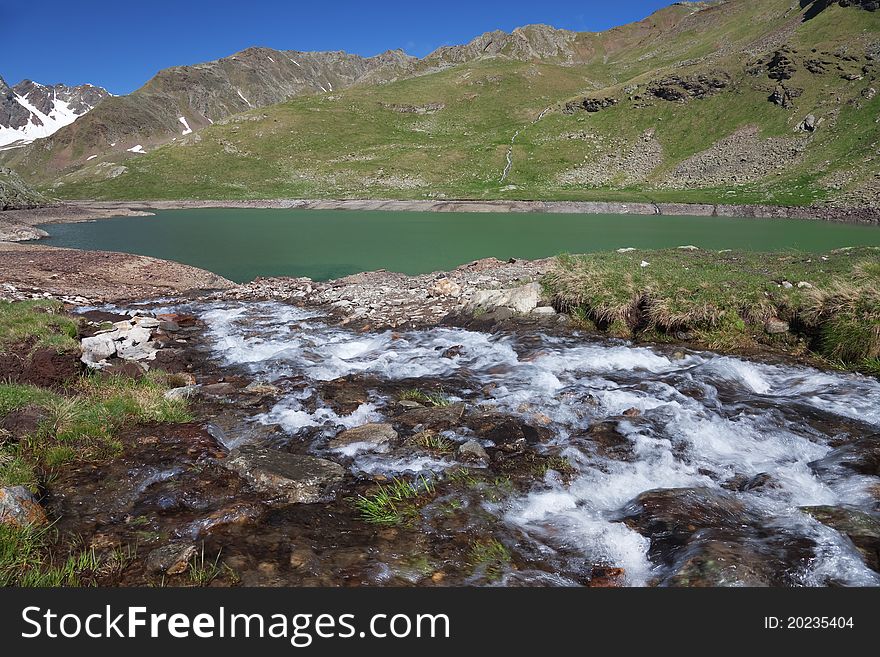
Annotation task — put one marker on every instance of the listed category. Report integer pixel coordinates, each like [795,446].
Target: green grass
[725,299]
[427,397]
[395,503]
[489,558]
[81,423]
[36,324]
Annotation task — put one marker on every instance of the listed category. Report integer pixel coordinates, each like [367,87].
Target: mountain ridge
[734,101]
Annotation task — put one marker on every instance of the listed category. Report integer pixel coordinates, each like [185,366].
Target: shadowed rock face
[15,194]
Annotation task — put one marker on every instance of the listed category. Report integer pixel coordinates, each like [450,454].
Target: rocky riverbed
[344,435]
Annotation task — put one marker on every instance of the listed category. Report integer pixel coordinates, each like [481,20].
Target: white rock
[787,285]
[544,310]
[626,250]
[644,264]
[97,348]
[803,285]
[522,299]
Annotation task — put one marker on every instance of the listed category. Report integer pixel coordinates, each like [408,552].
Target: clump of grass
[38,323]
[25,560]
[430,398]
[394,503]
[433,441]
[81,424]
[726,300]
[202,571]
[847,314]
[489,558]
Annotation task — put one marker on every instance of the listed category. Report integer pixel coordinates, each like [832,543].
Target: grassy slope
[80,423]
[725,300]
[349,145]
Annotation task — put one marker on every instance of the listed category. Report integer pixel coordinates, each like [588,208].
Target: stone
[137,335]
[803,285]
[787,285]
[19,508]
[546,311]
[408,404]
[444,287]
[372,434]
[294,478]
[147,322]
[259,388]
[776,326]
[809,124]
[171,559]
[97,348]
[521,299]
[472,451]
[182,393]
[632,412]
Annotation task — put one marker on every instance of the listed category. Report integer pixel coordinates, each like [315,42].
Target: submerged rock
[297,478]
[862,529]
[861,455]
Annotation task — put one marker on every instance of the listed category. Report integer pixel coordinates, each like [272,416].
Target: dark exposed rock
[171,559]
[683,88]
[508,433]
[587,104]
[785,96]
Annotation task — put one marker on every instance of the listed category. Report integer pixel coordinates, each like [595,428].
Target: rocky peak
[30,110]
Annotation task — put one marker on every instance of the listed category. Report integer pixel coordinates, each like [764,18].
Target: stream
[681,467]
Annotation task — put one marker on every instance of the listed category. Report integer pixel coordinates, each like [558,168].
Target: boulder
[444,287]
[19,508]
[294,478]
[521,299]
[372,434]
[97,348]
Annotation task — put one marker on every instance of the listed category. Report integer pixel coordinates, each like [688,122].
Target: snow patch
[136,149]
[186,129]
[243,98]
[91,157]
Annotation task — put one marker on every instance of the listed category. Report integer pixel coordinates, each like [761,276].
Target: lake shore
[18,225]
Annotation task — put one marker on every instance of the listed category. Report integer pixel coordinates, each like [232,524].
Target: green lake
[242,244]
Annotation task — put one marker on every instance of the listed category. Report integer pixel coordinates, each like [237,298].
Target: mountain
[15,193]
[735,101]
[30,111]
[184,99]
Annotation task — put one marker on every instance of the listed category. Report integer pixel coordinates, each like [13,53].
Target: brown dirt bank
[93,210]
[97,275]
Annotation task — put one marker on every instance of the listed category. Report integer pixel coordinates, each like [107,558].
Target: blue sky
[121,44]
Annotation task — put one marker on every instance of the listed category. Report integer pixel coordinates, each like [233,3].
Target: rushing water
[242,244]
[704,421]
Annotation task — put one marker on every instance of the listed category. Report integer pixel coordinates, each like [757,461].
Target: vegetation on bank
[39,323]
[65,427]
[825,304]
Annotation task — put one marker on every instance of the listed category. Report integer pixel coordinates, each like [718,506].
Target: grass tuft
[394,503]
